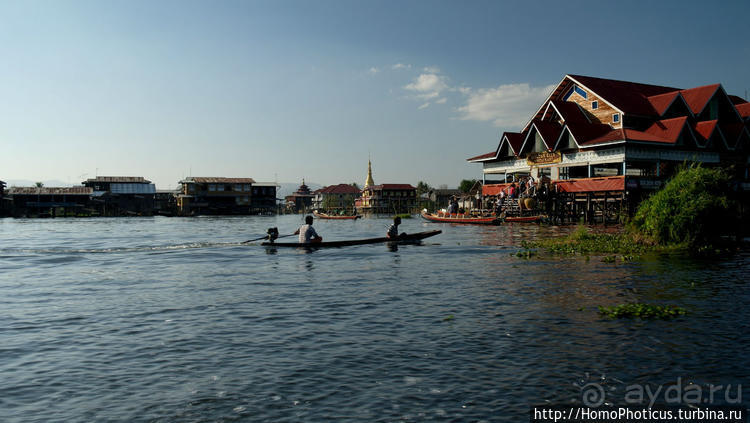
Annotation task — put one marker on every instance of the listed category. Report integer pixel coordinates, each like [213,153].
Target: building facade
[339,197]
[602,135]
[122,195]
[263,200]
[215,196]
[50,201]
[386,198]
[301,200]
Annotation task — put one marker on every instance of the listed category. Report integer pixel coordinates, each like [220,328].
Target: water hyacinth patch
[642,311]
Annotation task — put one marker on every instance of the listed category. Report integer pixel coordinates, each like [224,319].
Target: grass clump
[642,311]
[404,215]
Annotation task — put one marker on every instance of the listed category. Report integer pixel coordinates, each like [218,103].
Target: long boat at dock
[478,220]
[461,218]
[347,243]
[321,215]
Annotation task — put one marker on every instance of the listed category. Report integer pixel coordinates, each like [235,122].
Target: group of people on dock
[541,192]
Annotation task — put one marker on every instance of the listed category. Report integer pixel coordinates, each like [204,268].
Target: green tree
[354,184]
[466,185]
[423,187]
[39,184]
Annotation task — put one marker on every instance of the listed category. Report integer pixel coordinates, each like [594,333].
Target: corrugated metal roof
[119,179]
[50,191]
[217,180]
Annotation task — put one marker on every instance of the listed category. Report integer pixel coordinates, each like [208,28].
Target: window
[212,187]
[616,118]
[575,89]
[594,104]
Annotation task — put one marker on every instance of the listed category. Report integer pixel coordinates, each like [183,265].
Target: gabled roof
[628,97]
[569,111]
[338,189]
[513,139]
[549,131]
[698,97]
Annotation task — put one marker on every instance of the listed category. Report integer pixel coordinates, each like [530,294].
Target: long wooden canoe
[321,215]
[346,243]
[460,218]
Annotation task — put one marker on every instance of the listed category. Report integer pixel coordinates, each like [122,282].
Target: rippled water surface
[170,319]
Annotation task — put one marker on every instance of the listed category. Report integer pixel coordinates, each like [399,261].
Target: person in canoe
[393,229]
[306,232]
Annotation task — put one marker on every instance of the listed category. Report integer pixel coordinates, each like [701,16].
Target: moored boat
[523,219]
[346,243]
[321,215]
[461,218]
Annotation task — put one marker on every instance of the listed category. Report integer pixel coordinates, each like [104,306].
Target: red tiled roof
[584,133]
[736,99]
[629,97]
[338,189]
[661,102]
[743,109]
[612,135]
[705,129]
[665,131]
[611,183]
[698,97]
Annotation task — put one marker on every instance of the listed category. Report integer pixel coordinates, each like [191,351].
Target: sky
[284,90]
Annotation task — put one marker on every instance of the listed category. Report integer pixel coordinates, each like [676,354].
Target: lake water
[172,319]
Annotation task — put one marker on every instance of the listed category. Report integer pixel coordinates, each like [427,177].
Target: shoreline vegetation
[692,213]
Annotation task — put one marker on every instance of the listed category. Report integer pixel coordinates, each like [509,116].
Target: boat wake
[119,250]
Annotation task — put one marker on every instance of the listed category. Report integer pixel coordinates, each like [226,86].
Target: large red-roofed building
[600,129]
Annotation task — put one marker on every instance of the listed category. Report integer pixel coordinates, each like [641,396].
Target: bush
[692,209]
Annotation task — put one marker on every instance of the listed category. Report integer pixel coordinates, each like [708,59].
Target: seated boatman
[393,229]
[307,234]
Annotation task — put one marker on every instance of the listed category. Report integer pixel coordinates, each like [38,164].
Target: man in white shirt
[307,234]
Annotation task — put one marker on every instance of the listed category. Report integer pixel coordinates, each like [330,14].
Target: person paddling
[307,234]
[393,229]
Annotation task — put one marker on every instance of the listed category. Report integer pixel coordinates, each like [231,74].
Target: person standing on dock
[393,229]
[307,234]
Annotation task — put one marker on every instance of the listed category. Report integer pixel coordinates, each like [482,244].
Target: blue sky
[281,90]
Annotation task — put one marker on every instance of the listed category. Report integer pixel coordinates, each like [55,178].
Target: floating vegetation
[404,215]
[628,245]
[448,318]
[642,311]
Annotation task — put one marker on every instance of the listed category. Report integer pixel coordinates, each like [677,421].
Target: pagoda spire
[369,182]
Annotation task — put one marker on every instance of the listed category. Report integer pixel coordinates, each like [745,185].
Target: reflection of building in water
[596,136]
